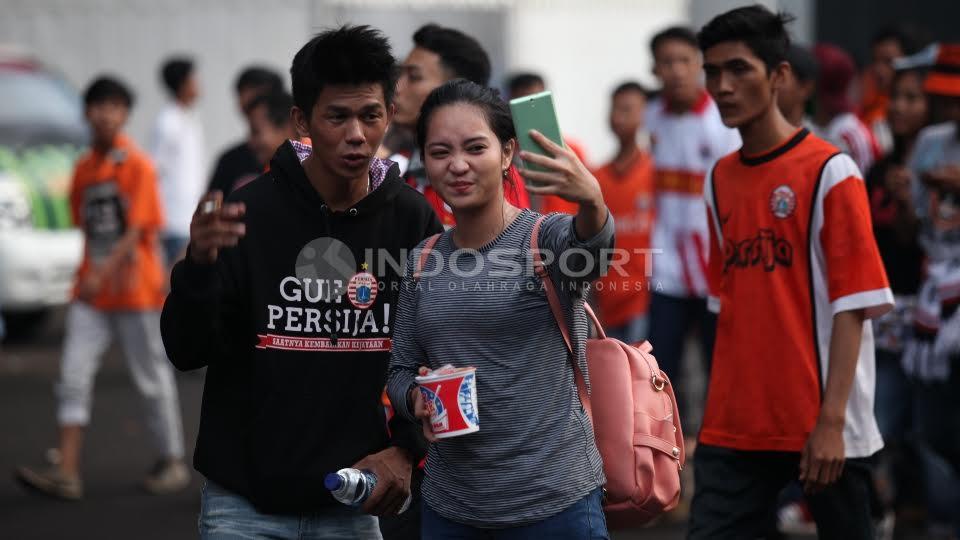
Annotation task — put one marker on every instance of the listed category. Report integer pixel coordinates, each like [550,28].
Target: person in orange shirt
[627,183]
[793,273]
[119,293]
[524,84]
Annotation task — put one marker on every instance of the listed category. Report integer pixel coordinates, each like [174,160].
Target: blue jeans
[227,516]
[583,520]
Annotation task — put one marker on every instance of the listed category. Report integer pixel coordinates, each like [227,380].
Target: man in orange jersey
[627,184]
[794,272]
[120,287]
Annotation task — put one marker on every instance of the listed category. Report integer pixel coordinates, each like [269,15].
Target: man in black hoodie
[287,296]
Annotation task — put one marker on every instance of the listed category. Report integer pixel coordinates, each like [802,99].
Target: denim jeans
[583,520]
[227,516]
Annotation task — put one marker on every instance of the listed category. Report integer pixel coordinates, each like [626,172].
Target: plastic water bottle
[353,486]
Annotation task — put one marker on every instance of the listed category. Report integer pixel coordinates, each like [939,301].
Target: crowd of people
[792,218]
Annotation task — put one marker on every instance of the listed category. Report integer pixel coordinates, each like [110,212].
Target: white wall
[130,38]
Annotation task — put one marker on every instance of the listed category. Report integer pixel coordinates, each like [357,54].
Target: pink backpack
[634,415]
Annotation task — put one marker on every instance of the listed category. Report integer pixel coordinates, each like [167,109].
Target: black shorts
[737,492]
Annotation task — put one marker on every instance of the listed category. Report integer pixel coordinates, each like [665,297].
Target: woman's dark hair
[761,30]
[104,89]
[459,53]
[349,55]
[494,109]
[175,72]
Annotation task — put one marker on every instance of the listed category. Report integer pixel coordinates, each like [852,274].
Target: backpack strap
[541,271]
[424,253]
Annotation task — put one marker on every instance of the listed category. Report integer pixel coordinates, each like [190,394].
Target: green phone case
[535,111]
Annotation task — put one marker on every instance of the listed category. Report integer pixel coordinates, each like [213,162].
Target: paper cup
[451,399]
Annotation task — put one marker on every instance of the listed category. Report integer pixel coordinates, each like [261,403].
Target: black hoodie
[294,326]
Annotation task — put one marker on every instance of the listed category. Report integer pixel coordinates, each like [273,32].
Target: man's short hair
[175,72]
[674,33]
[460,54]
[761,30]
[803,63]
[104,89]
[630,86]
[349,55]
[258,77]
[526,79]
[278,105]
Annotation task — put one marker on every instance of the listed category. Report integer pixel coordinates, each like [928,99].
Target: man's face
[677,64]
[626,114]
[106,119]
[246,95]
[881,65]
[420,74]
[738,81]
[190,90]
[265,136]
[347,124]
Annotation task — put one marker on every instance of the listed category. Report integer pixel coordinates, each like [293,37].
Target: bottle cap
[333,481]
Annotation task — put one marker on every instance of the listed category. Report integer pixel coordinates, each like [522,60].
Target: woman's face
[463,157]
[908,105]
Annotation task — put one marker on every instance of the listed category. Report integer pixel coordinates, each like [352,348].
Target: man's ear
[779,74]
[391,110]
[301,121]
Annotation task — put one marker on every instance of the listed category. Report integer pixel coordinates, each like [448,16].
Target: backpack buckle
[657,383]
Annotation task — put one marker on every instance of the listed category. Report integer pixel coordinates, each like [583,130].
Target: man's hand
[90,285]
[392,467]
[215,226]
[421,411]
[821,462]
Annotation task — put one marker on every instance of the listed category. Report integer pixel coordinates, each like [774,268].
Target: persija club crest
[783,202]
[362,290]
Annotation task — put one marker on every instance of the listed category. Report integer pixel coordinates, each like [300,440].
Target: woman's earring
[506,172]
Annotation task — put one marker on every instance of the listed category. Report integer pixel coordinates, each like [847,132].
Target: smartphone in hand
[537,112]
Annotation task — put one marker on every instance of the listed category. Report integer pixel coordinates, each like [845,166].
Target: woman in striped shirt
[533,469]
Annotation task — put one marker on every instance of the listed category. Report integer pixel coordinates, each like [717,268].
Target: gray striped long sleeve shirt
[534,455]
